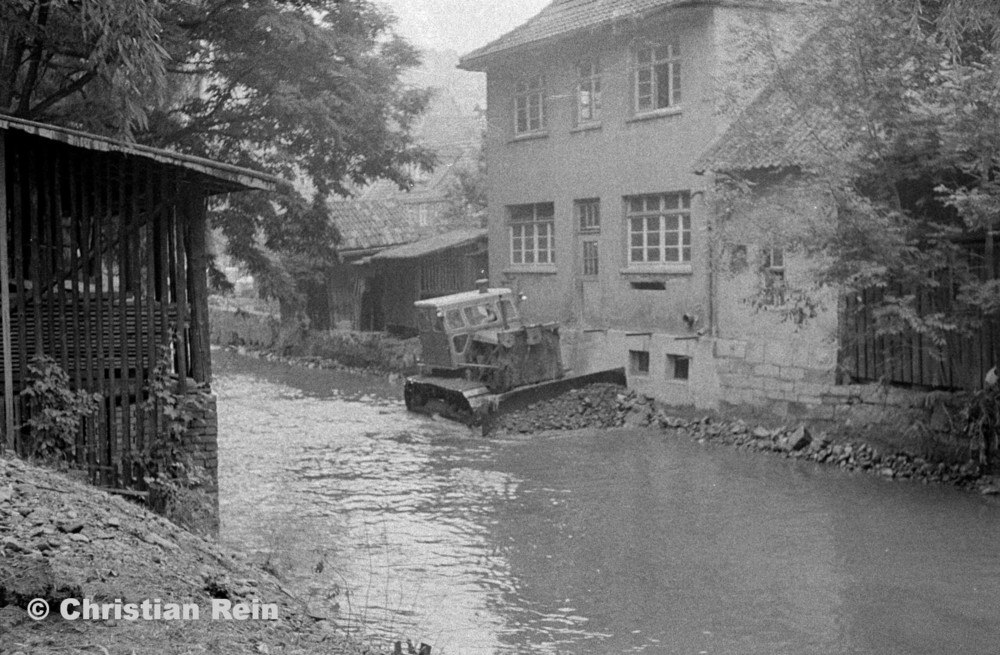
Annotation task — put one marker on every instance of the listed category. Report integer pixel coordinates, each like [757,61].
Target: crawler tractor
[477,354]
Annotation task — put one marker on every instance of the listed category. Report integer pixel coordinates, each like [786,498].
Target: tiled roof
[367,224]
[436,243]
[793,121]
[775,131]
[563,17]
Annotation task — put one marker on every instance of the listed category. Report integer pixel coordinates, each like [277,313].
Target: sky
[461,25]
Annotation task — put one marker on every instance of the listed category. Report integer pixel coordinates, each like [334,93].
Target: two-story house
[597,113]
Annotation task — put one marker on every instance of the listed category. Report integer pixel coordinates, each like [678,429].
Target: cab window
[509,311]
[453,319]
[480,314]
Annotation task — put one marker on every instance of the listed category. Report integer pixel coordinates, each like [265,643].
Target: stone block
[755,352]
[730,348]
[766,370]
[791,373]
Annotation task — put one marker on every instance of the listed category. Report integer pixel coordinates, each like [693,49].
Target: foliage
[897,102]
[307,90]
[94,63]
[980,422]
[56,409]
[467,194]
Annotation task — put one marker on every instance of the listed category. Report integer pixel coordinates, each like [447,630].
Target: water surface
[589,541]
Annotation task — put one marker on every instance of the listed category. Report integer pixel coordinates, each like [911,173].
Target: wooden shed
[103,267]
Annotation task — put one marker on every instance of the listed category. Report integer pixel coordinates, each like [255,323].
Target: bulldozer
[478,355]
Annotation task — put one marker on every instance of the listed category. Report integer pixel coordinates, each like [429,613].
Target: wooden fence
[910,358]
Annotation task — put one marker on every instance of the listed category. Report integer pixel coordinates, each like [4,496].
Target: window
[638,362]
[590,258]
[678,367]
[588,91]
[588,215]
[532,234]
[529,104]
[659,228]
[657,78]
[774,263]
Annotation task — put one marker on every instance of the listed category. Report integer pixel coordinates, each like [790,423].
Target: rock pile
[62,539]
[594,406]
[609,405]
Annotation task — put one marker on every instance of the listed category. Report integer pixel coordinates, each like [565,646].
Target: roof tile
[563,17]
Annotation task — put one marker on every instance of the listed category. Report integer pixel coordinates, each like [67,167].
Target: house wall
[623,156]
[728,352]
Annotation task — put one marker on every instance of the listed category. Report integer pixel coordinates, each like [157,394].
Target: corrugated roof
[225,177]
[370,224]
[434,244]
[563,17]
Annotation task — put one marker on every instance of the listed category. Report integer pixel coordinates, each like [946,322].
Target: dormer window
[657,78]
[529,104]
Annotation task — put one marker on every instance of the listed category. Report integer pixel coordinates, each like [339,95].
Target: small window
[678,367]
[588,215]
[638,362]
[588,91]
[529,104]
[774,262]
[649,285]
[590,258]
[657,78]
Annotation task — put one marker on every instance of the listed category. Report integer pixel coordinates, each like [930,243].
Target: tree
[896,102]
[308,90]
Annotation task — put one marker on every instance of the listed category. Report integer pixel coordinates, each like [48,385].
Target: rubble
[62,539]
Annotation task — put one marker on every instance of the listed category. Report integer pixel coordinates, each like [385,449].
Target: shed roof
[217,176]
[371,224]
[434,244]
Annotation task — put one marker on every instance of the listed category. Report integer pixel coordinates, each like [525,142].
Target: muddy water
[589,542]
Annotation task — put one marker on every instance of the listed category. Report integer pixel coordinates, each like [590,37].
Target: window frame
[589,83]
[542,216]
[590,258]
[587,214]
[524,93]
[682,245]
[672,62]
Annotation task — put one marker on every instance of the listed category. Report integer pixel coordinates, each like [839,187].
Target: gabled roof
[218,177]
[435,244]
[797,119]
[371,224]
[775,131]
[564,17]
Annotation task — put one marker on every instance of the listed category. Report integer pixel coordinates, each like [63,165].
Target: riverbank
[62,539]
[611,406]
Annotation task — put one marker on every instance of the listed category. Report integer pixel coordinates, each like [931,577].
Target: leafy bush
[56,409]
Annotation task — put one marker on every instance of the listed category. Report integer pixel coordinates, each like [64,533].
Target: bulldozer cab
[448,324]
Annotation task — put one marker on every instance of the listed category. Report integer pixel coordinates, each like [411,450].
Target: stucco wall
[622,157]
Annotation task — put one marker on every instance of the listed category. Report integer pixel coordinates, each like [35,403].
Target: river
[593,541]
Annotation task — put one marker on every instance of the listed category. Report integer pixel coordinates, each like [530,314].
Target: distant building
[388,259]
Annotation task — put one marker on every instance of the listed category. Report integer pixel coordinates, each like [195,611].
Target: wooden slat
[8,380]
